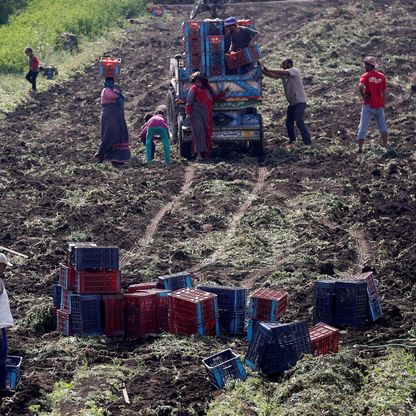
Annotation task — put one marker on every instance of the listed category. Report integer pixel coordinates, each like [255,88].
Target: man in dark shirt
[241,36]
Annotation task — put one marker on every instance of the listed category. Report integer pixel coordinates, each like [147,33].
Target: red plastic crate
[140,313]
[325,339]
[110,67]
[246,23]
[236,59]
[63,322]
[67,276]
[98,281]
[66,300]
[262,302]
[113,315]
[183,327]
[138,287]
[215,43]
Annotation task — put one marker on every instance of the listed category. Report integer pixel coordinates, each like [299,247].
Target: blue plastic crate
[175,281]
[232,323]
[96,258]
[13,365]
[86,315]
[57,296]
[224,366]
[212,27]
[351,303]
[375,308]
[192,29]
[230,298]
[261,337]
[292,341]
[324,306]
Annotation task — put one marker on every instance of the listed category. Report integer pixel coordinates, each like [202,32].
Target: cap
[370,60]
[4,260]
[231,21]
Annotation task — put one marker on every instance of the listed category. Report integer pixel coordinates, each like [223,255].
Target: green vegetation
[9,7]
[40,24]
[335,385]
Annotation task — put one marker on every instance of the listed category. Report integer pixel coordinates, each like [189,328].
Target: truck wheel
[185,148]
[172,114]
[257,147]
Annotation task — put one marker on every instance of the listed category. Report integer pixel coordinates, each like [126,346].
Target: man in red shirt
[372,88]
[34,64]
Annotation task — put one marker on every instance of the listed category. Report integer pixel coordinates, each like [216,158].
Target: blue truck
[236,119]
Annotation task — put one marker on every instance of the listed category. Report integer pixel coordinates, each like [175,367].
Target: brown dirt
[46,155]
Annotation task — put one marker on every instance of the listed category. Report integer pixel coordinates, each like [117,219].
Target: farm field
[297,215]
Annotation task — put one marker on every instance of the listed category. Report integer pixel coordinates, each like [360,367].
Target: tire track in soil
[151,229]
[262,176]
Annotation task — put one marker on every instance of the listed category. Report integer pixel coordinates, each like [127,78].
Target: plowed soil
[203,217]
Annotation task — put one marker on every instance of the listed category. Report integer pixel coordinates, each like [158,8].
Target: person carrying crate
[240,37]
[6,320]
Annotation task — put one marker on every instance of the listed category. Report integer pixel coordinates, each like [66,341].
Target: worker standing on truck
[239,37]
[6,320]
[114,145]
[372,88]
[34,65]
[198,111]
[296,97]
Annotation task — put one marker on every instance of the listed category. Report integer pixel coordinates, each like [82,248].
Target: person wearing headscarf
[114,145]
[198,111]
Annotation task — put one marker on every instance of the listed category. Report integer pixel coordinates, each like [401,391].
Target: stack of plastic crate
[374,303]
[324,307]
[88,273]
[351,306]
[194,46]
[231,307]
[175,281]
[193,311]
[215,49]
[140,310]
[343,302]
[224,366]
[277,347]
[266,305]
[324,338]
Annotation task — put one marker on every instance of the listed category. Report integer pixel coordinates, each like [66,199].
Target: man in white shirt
[6,320]
[296,97]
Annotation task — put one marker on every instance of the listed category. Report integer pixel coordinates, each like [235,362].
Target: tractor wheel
[185,148]
[257,147]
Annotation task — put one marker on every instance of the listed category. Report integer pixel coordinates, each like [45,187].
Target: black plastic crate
[230,299]
[224,366]
[351,303]
[324,305]
[261,338]
[57,296]
[292,342]
[232,322]
[92,258]
[86,315]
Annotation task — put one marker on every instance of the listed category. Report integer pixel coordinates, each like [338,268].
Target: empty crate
[351,306]
[175,281]
[98,281]
[324,338]
[113,315]
[324,307]
[86,315]
[90,258]
[13,364]
[268,304]
[224,366]
[140,313]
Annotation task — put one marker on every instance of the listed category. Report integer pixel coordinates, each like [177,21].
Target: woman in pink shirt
[156,126]
[114,144]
